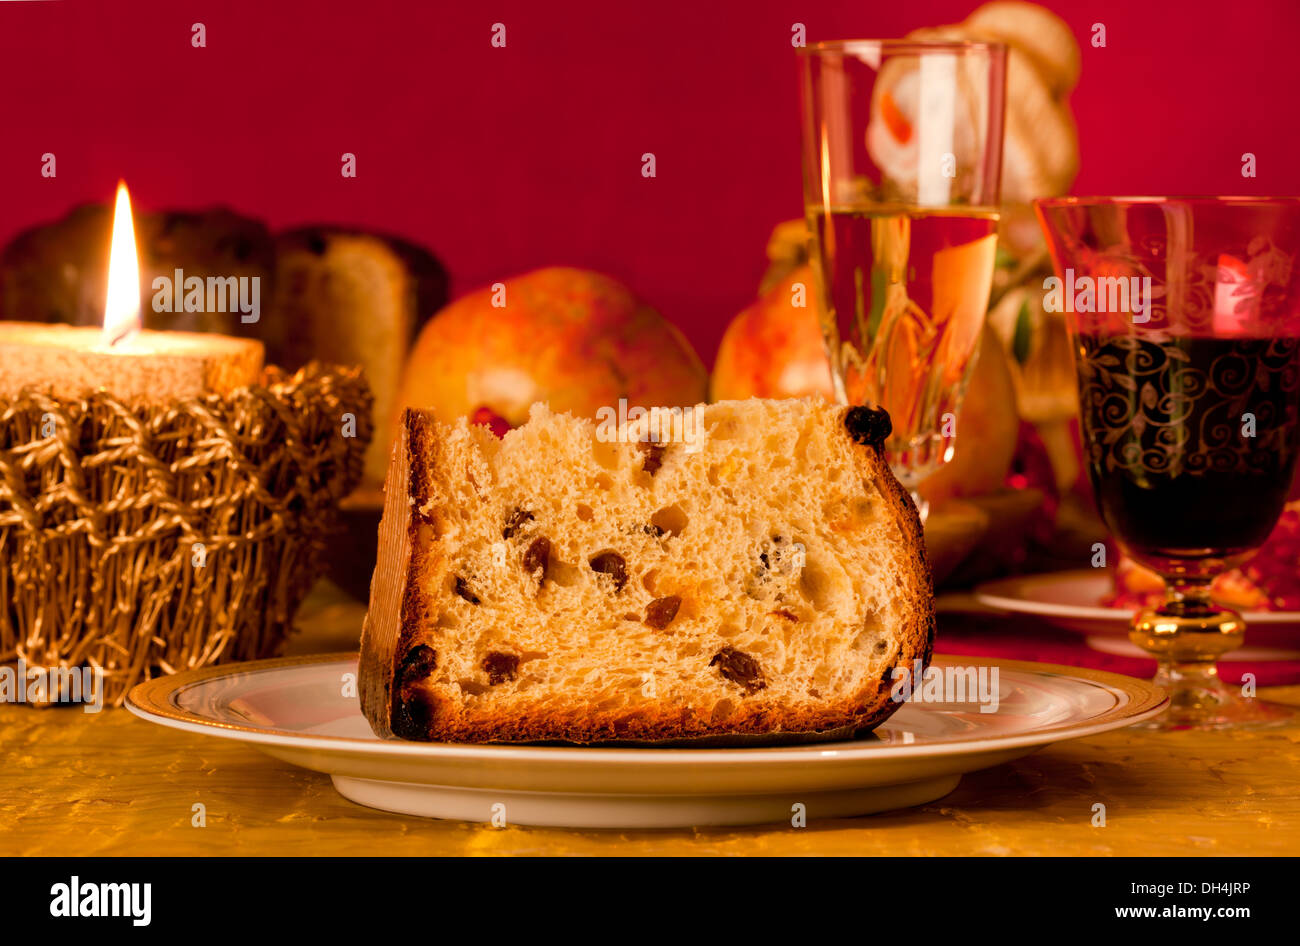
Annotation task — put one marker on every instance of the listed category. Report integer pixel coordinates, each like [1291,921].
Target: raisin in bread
[760,576]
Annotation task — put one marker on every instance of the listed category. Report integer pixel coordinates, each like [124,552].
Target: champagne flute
[902,152]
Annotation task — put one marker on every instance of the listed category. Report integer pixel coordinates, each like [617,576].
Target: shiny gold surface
[1187,642]
[1198,638]
[109,783]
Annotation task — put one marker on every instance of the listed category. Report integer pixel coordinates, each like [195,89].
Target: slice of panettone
[750,570]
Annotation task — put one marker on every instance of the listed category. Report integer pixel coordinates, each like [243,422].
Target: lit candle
[129,362]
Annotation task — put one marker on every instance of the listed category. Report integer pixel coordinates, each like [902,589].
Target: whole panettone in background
[355,298]
[58,272]
[578,340]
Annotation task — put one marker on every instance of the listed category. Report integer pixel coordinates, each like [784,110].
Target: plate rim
[995,594]
[152,701]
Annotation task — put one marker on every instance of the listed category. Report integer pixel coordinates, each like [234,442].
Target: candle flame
[122,308]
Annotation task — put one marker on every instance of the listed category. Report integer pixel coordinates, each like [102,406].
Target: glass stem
[1199,679]
[1188,598]
[922,505]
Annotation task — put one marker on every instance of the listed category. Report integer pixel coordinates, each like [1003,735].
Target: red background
[501,160]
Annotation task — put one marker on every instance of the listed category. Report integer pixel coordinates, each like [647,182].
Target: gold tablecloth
[73,783]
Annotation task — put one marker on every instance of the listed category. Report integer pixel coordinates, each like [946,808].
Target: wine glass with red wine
[1185,317]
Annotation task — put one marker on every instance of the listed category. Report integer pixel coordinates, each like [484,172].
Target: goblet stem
[1187,635]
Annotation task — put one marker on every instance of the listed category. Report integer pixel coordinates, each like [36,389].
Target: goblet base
[1187,636]
[1204,703]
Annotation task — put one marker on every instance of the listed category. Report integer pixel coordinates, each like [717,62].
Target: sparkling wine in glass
[902,152]
[1185,315]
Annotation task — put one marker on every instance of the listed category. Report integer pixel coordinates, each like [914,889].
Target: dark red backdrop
[506,159]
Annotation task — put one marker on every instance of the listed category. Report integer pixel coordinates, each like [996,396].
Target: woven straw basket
[142,539]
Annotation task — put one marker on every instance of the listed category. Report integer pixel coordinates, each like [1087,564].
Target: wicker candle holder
[150,537]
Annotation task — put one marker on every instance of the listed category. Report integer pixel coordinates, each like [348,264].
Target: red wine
[1191,442]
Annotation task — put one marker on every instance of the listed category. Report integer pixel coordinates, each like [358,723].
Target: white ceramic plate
[1072,601]
[304,710]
